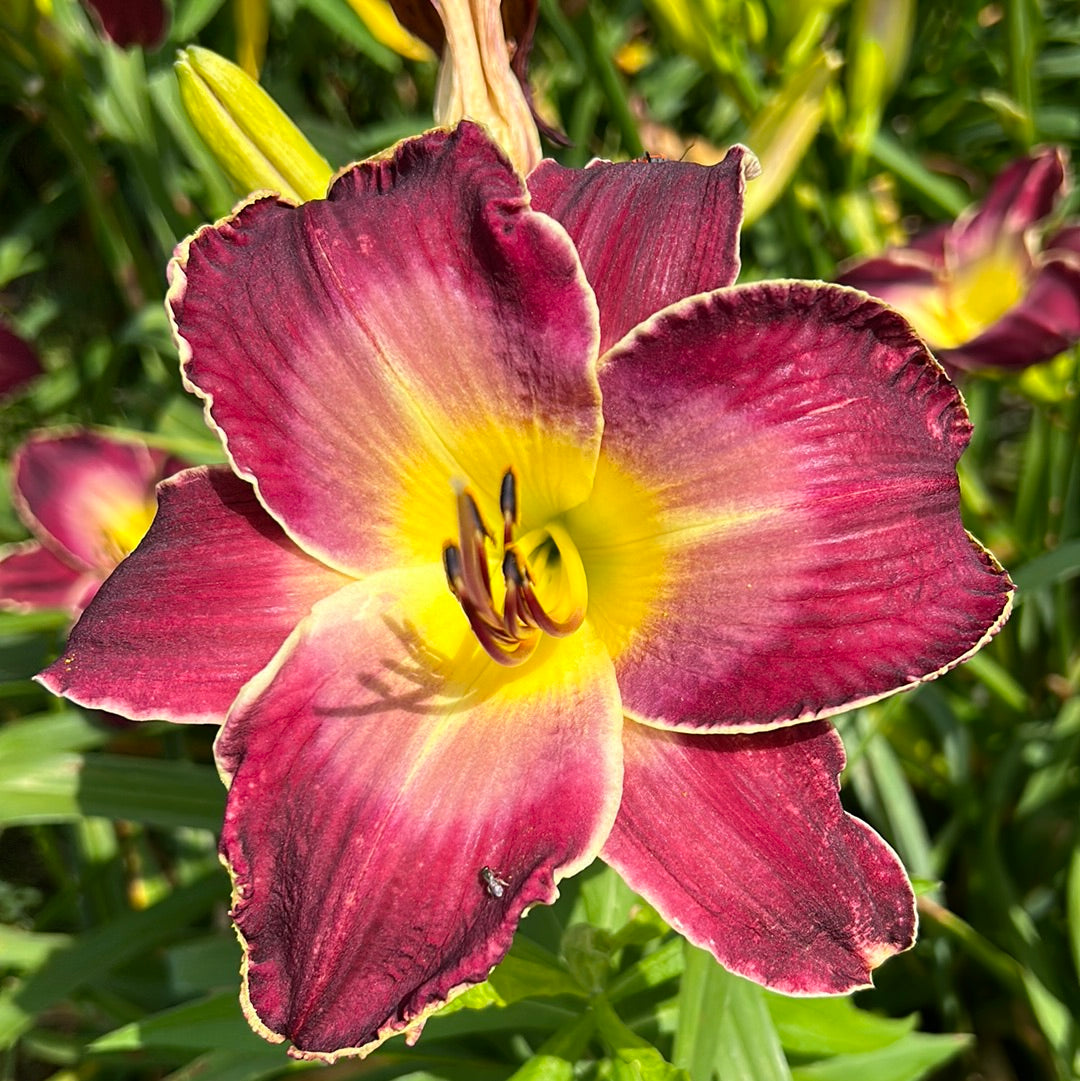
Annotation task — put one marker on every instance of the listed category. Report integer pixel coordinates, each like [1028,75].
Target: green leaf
[204,964]
[63,787]
[27,950]
[913,1057]
[101,949]
[749,1046]
[819,1027]
[632,1056]
[1058,565]
[191,17]
[527,971]
[544,1068]
[664,964]
[43,734]
[703,998]
[232,1066]
[213,1023]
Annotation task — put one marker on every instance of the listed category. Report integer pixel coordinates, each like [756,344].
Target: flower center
[125,526]
[543,562]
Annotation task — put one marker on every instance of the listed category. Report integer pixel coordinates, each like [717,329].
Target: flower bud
[247,132]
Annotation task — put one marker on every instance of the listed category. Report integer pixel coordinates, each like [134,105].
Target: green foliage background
[116,958]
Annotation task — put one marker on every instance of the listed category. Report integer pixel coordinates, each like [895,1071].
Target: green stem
[610,82]
[1022,22]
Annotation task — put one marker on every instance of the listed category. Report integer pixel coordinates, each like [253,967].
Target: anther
[509,637]
[508,505]
[451,557]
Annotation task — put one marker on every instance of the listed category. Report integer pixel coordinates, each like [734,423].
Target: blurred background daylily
[88,500]
[990,290]
[131,22]
[19,363]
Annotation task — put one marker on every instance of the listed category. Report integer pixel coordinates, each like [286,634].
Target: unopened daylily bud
[378,16]
[476,81]
[785,128]
[247,132]
[252,21]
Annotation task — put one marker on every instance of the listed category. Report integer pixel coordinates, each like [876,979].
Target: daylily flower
[88,500]
[131,22]
[984,292]
[542,541]
[19,362]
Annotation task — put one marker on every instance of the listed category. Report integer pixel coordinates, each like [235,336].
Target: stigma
[509,636]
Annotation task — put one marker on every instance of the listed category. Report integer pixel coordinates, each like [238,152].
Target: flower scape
[541,541]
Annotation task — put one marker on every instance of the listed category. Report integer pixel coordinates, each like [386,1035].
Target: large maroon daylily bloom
[543,542]
[985,292]
[88,500]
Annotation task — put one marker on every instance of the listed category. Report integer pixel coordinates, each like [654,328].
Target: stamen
[451,558]
[473,532]
[511,637]
[508,506]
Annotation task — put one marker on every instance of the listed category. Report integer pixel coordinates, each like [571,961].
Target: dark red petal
[195,611]
[32,578]
[73,487]
[131,22]
[19,363]
[420,327]
[648,233]
[741,844]
[397,800]
[795,448]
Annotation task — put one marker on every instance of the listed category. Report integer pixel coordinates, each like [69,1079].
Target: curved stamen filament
[509,637]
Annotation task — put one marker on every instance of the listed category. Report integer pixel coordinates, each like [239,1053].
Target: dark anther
[511,569]
[451,557]
[508,636]
[508,506]
[508,497]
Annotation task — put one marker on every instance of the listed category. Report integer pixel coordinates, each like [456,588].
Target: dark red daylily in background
[131,22]
[19,362]
[88,500]
[988,291]
[541,541]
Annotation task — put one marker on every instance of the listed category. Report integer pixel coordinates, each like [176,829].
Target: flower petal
[32,578]
[1066,239]
[741,844]
[195,611]
[360,353]
[377,767]
[777,480]
[648,233]
[19,362]
[131,22]
[1043,324]
[1020,197]
[83,493]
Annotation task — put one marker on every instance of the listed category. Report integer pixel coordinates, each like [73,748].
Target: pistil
[509,637]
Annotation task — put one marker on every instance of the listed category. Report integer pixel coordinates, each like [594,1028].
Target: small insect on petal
[494,885]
